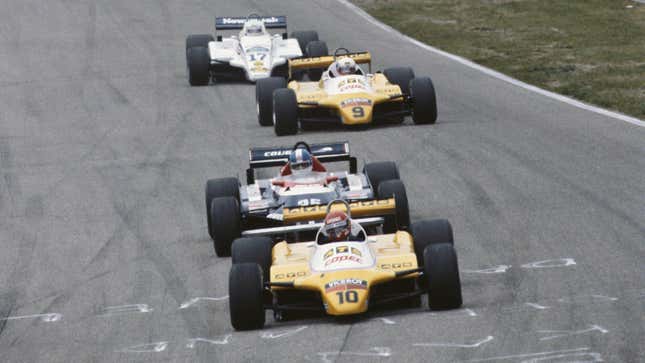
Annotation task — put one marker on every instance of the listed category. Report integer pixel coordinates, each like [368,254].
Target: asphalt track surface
[104,151]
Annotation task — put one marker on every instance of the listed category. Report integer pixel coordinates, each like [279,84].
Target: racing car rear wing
[326,61]
[307,227]
[364,208]
[237,22]
[267,157]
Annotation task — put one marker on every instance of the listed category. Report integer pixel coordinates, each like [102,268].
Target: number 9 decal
[358,111]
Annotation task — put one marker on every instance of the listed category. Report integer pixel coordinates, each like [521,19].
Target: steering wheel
[348,210]
[301,143]
[338,51]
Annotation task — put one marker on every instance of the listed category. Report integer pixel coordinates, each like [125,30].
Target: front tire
[198,40]
[264,98]
[245,290]
[424,101]
[225,224]
[304,38]
[401,220]
[426,233]
[442,274]
[285,112]
[199,62]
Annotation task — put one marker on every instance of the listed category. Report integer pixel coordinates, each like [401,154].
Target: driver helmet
[301,162]
[254,27]
[337,226]
[345,66]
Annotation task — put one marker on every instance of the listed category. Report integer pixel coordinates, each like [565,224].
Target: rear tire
[264,98]
[424,101]
[222,187]
[426,233]
[285,112]
[245,291]
[442,274]
[400,76]
[225,224]
[199,62]
[316,48]
[256,250]
[401,220]
[379,172]
[304,38]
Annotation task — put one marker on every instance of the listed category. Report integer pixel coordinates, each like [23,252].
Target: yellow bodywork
[344,291]
[351,108]
[365,208]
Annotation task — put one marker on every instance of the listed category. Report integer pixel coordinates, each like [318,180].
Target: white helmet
[345,66]
[254,27]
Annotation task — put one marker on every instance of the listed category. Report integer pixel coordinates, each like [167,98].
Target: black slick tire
[256,250]
[424,101]
[304,37]
[198,40]
[400,76]
[285,112]
[199,62]
[401,220]
[264,98]
[225,224]
[442,273]
[380,171]
[245,290]
[316,48]
[432,232]
[222,187]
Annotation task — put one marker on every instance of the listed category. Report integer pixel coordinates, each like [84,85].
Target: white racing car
[253,54]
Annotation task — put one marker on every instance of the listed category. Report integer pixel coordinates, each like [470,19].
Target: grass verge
[591,50]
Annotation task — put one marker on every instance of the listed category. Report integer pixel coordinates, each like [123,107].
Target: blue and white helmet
[301,162]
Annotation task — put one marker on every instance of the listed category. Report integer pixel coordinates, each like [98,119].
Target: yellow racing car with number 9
[343,94]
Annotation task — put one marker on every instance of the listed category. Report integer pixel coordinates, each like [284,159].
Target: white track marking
[530,355]
[555,334]
[491,270]
[328,357]
[558,262]
[47,318]
[125,309]
[282,333]
[387,321]
[193,301]
[221,341]
[156,347]
[537,306]
[470,312]
[492,73]
[476,344]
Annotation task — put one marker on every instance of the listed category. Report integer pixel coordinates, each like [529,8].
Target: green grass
[592,50]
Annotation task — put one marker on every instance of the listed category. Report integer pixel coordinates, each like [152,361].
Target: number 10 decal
[349,296]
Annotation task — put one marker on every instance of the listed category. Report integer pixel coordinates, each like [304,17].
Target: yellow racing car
[343,94]
[342,274]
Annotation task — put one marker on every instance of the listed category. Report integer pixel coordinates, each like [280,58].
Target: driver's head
[301,162]
[345,66]
[337,226]
[254,27]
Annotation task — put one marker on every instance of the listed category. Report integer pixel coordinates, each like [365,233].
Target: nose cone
[345,295]
[356,109]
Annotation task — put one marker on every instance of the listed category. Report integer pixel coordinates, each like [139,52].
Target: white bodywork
[257,54]
[358,255]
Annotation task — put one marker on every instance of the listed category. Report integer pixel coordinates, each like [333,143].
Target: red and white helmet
[337,226]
